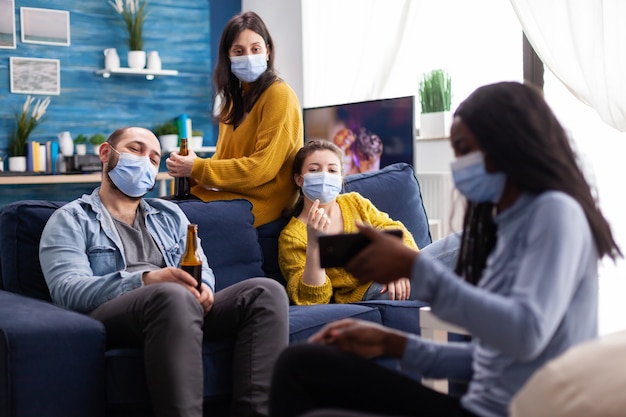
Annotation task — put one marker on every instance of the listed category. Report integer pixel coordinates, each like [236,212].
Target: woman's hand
[180,166]
[317,222]
[384,260]
[399,289]
[363,338]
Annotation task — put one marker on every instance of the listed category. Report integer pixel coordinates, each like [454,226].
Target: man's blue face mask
[474,182]
[133,175]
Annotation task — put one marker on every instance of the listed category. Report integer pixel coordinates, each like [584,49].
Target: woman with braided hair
[525,286]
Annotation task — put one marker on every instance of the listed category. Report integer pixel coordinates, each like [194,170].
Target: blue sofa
[54,362]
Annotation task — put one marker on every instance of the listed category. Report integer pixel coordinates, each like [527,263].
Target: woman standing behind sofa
[317,170]
[260,127]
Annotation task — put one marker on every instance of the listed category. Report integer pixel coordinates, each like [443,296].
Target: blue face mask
[322,186]
[248,68]
[474,182]
[133,175]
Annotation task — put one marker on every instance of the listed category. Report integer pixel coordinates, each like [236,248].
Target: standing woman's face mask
[248,56]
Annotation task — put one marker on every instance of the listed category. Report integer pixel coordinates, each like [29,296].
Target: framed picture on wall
[45,26]
[7,24]
[35,76]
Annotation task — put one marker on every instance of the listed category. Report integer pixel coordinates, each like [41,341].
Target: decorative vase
[66,144]
[137,59]
[435,125]
[154,61]
[17,163]
[111,59]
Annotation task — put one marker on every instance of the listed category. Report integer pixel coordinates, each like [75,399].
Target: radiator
[444,205]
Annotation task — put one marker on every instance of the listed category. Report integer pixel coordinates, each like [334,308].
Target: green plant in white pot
[435,89]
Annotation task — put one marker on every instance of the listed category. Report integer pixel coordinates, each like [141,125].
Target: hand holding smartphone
[337,250]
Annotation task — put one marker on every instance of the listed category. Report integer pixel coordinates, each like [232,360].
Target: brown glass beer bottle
[182,187]
[191,260]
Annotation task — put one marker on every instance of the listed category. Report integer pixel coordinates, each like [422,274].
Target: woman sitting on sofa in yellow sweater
[317,170]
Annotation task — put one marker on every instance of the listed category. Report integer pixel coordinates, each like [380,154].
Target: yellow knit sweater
[254,161]
[339,285]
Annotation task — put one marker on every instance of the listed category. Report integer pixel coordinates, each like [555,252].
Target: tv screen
[372,134]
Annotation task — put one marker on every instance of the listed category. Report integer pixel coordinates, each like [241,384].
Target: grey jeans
[167,321]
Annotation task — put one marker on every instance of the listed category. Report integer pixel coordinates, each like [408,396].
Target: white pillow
[587,380]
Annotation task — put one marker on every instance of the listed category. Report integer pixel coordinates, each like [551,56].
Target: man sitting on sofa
[114,255]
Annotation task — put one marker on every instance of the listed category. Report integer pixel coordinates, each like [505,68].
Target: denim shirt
[82,256]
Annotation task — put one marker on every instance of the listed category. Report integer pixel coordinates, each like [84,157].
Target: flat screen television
[372,134]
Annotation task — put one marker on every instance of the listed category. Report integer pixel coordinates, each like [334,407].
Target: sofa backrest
[225,228]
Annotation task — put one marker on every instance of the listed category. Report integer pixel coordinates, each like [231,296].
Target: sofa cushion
[228,238]
[21,224]
[306,320]
[395,190]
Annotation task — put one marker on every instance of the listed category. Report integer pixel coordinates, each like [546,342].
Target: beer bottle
[182,188]
[191,261]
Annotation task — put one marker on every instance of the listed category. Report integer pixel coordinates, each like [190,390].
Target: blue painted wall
[184,32]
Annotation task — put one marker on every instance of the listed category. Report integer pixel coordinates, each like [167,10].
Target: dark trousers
[324,381]
[168,322]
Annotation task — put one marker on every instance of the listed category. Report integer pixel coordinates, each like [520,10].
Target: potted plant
[133,13]
[25,124]
[435,89]
[96,140]
[168,135]
[80,143]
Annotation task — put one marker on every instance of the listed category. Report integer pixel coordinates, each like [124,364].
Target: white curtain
[583,43]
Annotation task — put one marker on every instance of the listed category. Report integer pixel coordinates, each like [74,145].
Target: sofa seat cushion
[395,190]
[228,238]
[306,320]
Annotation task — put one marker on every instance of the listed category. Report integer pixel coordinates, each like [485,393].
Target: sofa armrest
[51,360]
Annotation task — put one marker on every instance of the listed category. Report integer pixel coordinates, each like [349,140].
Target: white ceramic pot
[169,143]
[196,143]
[435,125]
[137,59]
[81,149]
[96,149]
[17,163]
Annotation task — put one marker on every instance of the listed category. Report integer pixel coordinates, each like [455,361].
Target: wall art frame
[45,26]
[7,24]
[35,76]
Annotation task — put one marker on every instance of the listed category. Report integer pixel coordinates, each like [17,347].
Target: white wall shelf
[148,73]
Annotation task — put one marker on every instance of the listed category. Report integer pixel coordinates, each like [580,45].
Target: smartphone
[337,250]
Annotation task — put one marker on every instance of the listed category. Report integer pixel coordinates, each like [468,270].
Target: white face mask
[322,186]
[248,68]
